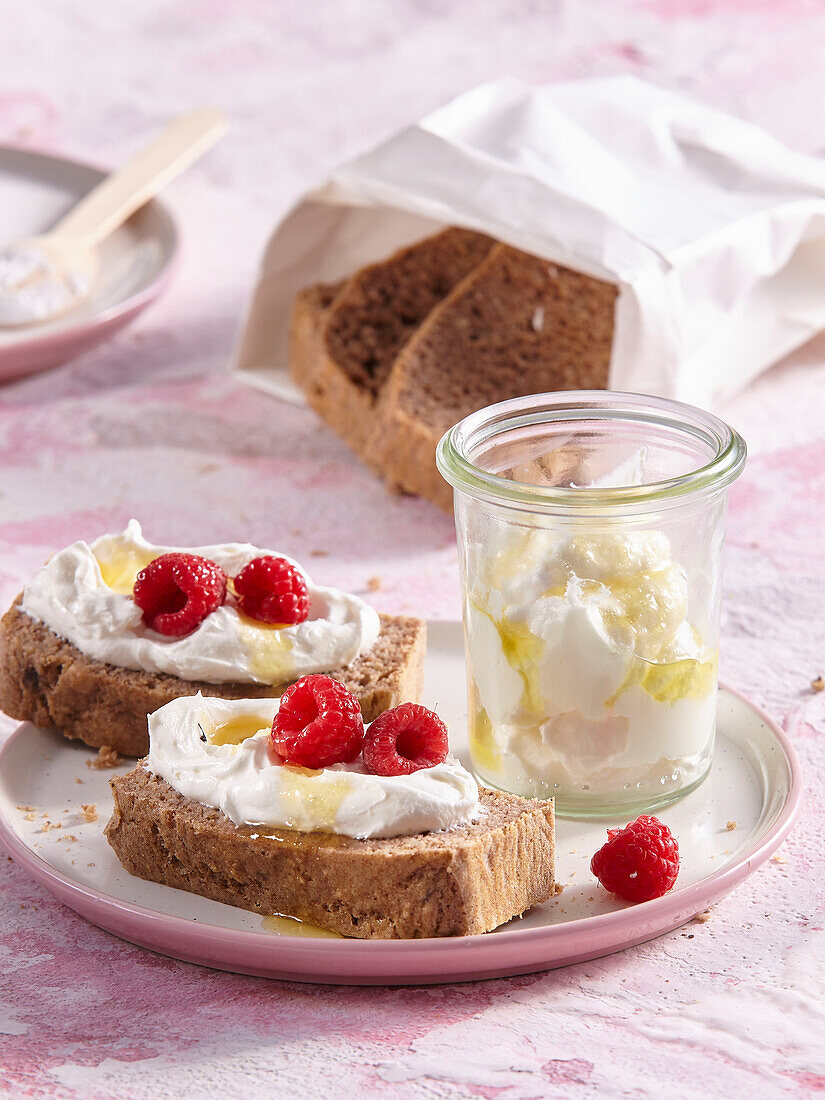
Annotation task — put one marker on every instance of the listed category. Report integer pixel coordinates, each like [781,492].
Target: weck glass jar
[590,530]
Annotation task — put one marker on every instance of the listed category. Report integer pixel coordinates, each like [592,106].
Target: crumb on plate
[106,758]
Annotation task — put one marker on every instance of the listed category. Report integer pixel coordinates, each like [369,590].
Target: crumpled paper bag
[713,230]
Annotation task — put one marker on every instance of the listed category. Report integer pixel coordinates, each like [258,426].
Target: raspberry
[176,592]
[405,740]
[272,591]
[639,862]
[318,723]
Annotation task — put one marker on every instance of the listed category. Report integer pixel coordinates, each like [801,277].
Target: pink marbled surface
[150,425]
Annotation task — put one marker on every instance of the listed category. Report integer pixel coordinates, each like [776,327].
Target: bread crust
[457,883]
[345,406]
[46,680]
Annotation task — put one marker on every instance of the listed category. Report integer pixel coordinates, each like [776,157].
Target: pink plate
[755,782]
[136,261]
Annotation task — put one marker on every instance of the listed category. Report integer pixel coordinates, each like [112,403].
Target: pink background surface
[151,425]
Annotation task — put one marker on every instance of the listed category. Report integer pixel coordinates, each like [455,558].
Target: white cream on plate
[84,594]
[33,288]
[216,751]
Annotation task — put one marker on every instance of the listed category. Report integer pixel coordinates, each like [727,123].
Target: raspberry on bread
[177,591]
[272,590]
[405,740]
[319,723]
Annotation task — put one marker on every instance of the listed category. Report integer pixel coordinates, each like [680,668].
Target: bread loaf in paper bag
[697,238]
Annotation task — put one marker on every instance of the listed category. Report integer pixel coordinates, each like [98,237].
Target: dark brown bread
[409,346]
[516,325]
[381,306]
[46,680]
[341,350]
[456,883]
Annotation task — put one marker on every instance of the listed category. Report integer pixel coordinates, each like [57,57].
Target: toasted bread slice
[342,348]
[454,883]
[46,680]
[515,325]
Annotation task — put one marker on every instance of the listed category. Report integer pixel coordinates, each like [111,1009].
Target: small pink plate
[136,260]
[755,782]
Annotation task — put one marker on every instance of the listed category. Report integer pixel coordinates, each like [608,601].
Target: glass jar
[590,529]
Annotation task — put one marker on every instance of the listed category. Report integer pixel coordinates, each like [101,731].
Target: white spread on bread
[84,594]
[217,752]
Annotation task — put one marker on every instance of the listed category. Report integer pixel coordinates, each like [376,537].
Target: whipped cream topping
[587,673]
[84,594]
[34,288]
[216,751]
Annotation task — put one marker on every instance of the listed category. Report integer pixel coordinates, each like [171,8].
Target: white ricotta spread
[216,751]
[586,672]
[84,594]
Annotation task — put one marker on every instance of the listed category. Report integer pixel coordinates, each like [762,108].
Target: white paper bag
[712,229]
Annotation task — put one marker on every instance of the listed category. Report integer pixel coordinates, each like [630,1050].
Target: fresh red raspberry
[176,592]
[271,590]
[638,862]
[405,740]
[318,723]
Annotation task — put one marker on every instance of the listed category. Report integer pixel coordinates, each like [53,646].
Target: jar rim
[458,469]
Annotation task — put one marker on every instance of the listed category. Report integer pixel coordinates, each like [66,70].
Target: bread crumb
[77,779]
[30,817]
[818,684]
[106,758]
[731,825]
[47,825]
[89,811]
[558,888]
[374,584]
[778,859]
[704,916]
[90,864]
[69,837]
[28,809]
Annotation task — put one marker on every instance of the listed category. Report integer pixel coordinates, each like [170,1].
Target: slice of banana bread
[454,883]
[46,680]
[516,325]
[344,339]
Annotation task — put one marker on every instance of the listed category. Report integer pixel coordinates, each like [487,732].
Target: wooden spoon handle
[124,191]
